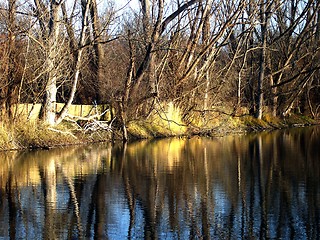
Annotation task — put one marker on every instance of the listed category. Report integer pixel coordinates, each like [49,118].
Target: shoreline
[35,135]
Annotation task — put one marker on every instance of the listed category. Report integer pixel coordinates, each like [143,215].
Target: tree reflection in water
[256,186]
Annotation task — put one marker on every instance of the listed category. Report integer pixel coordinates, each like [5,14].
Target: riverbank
[35,134]
[219,126]
[31,135]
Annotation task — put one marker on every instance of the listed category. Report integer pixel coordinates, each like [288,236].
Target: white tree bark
[49,105]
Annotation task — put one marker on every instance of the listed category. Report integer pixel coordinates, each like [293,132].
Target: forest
[251,57]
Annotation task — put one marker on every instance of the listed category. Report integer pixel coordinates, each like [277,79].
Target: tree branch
[176,13]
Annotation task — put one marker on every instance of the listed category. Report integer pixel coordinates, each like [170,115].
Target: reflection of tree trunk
[100,207]
[204,218]
[129,191]
[204,200]
[97,208]
[261,184]
[285,212]
[90,215]
[12,206]
[173,220]
[49,185]
[242,185]
[252,189]
[150,213]
[131,203]
[75,203]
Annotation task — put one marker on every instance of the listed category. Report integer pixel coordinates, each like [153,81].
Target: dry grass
[35,134]
[216,125]
[23,135]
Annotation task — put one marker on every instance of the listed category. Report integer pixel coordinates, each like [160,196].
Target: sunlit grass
[165,121]
[217,122]
[168,120]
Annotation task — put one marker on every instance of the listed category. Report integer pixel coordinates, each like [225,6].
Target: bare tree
[147,65]
[50,22]
[78,62]
[10,64]
[293,59]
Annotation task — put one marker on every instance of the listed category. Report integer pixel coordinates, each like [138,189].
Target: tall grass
[33,134]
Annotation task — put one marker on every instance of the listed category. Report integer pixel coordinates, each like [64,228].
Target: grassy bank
[26,135]
[34,134]
[215,126]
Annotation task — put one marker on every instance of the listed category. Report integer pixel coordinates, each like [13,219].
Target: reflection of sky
[221,203]
[119,221]
[118,215]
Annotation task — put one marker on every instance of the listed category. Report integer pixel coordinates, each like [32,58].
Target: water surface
[259,186]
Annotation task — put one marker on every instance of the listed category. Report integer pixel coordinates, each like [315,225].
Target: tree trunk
[49,105]
[12,74]
[273,91]
[206,39]
[98,50]
[123,104]
[145,7]
[264,17]
[317,34]
[8,90]
[51,41]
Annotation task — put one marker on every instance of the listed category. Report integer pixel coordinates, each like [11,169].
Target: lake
[254,186]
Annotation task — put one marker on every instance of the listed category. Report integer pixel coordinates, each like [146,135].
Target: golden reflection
[165,154]
[30,167]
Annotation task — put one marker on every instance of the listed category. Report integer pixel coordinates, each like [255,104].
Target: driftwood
[95,125]
[88,117]
[91,123]
[63,132]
